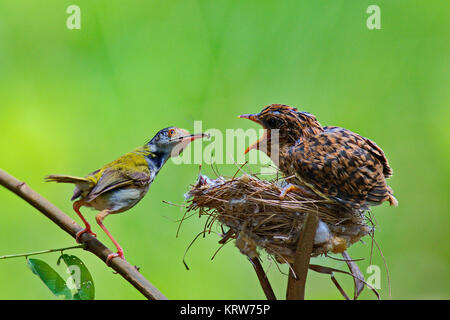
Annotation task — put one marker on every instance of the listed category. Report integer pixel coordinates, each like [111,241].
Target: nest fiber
[256,217]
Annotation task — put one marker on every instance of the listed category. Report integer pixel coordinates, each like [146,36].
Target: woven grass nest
[256,217]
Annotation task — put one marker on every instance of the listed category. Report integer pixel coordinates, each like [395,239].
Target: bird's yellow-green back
[127,165]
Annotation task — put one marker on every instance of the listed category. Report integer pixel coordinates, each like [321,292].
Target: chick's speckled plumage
[341,165]
[335,162]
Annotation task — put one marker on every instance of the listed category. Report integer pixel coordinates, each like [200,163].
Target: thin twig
[358,278]
[297,281]
[93,245]
[385,266]
[263,280]
[329,270]
[226,236]
[42,252]
[338,286]
[189,246]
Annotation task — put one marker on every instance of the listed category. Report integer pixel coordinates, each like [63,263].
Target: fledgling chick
[334,162]
[121,184]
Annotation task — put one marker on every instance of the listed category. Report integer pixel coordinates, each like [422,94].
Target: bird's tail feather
[380,194]
[393,201]
[65,179]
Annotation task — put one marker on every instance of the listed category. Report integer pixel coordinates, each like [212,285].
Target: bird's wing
[370,146]
[130,169]
[340,165]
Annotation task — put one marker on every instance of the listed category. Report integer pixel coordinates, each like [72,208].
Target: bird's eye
[171,132]
[272,123]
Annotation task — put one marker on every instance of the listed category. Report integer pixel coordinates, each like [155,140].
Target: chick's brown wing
[343,166]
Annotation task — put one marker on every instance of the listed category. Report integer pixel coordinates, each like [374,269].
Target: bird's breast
[119,200]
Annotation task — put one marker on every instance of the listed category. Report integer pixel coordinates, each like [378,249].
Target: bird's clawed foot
[287,189]
[80,233]
[114,255]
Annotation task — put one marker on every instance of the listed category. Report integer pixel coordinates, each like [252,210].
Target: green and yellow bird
[122,183]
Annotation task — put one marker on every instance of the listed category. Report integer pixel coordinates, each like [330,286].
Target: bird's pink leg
[76,208]
[99,217]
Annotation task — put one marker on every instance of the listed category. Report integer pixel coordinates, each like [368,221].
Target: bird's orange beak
[196,136]
[254,118]
[186,136]
[183,139]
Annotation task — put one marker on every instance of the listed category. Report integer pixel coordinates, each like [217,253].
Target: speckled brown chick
[336,163]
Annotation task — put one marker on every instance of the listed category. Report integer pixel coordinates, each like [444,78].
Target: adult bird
[334,162]
[122,183]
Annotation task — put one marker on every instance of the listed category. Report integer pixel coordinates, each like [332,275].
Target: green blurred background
[73,100]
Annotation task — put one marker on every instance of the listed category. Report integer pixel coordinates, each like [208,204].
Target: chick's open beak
[254,118]
[257,143]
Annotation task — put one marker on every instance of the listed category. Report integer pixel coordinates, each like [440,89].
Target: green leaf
[50,277]
[81,278]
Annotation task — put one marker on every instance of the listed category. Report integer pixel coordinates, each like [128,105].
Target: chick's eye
[272,122]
